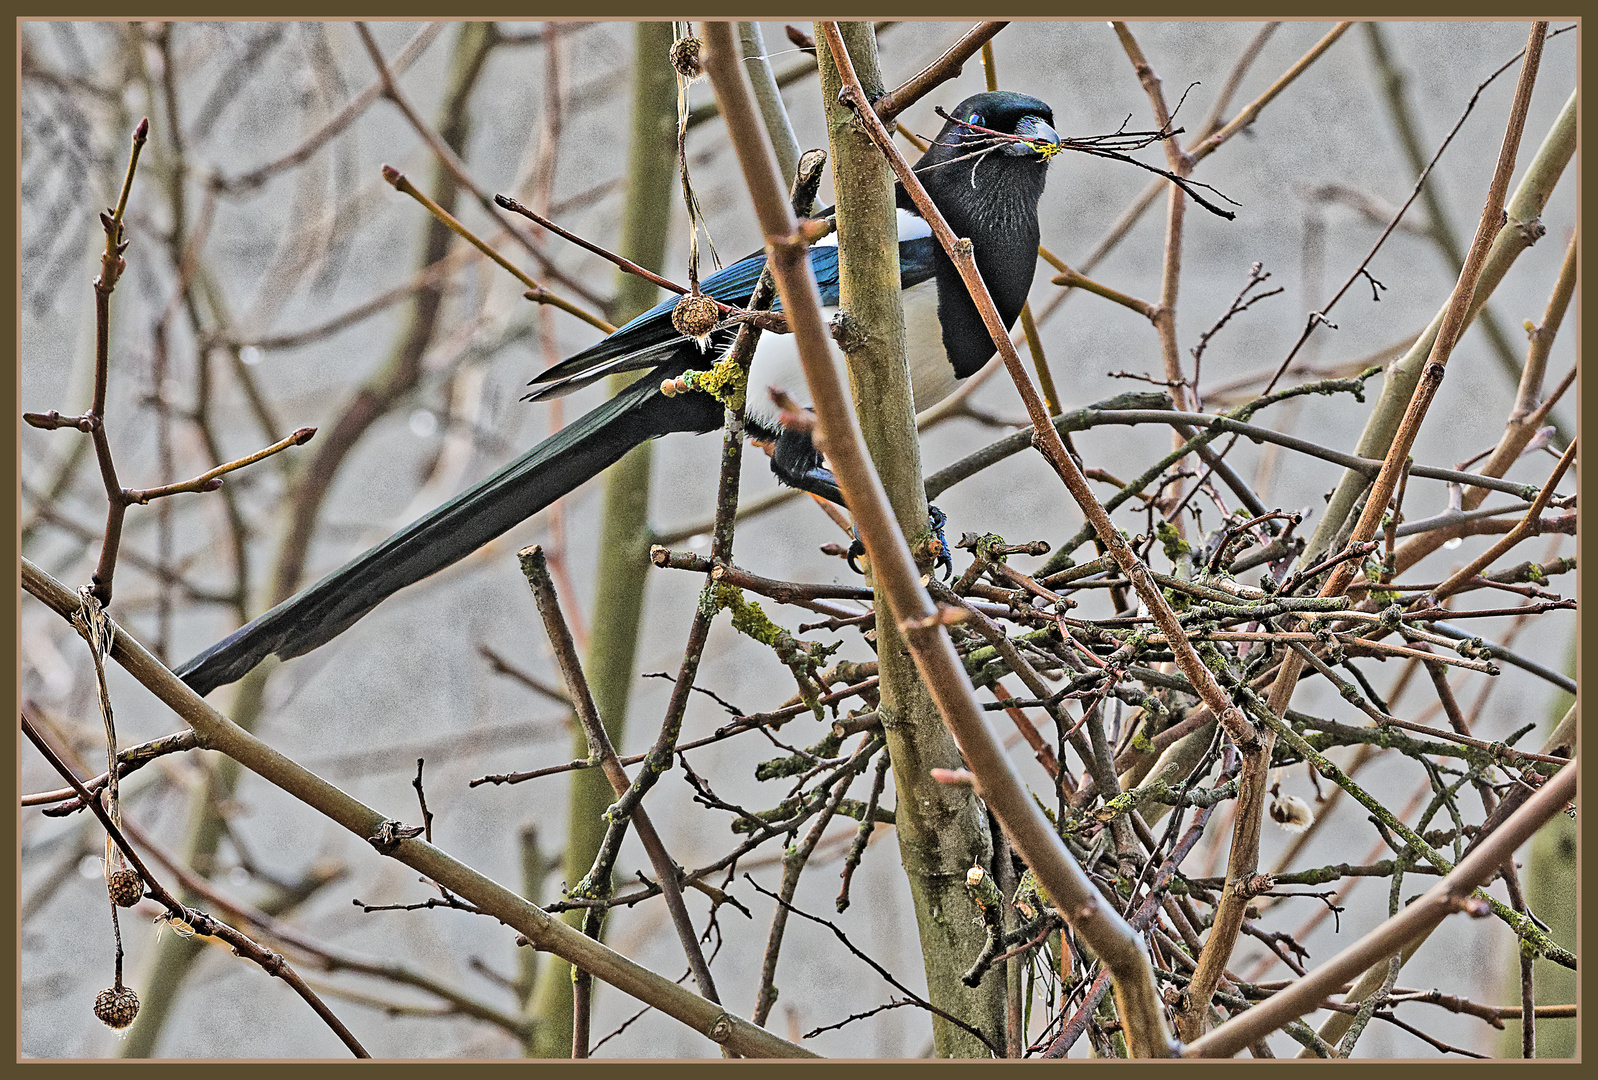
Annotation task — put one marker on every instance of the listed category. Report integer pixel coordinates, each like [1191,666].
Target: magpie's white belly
[932,378]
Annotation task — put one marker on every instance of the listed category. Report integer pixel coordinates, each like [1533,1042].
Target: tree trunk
[940,827]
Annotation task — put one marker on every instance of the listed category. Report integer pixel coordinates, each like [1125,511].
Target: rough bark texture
[940,828]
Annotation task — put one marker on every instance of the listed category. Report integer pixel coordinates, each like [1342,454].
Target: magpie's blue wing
[650,339]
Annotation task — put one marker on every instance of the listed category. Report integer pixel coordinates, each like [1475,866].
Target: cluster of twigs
[1116,145]
[1155,702]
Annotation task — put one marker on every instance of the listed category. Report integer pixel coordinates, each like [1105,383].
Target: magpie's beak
[1037,130]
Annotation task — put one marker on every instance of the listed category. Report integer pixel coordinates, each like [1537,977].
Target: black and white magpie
[986,187]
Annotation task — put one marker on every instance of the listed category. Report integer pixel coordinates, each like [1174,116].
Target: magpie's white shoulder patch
[912,226]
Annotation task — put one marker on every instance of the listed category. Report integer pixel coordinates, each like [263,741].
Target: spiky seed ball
[116,1007]
[125,886]
[685,57]
[695,315]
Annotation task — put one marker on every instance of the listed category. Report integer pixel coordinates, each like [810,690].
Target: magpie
[986,186]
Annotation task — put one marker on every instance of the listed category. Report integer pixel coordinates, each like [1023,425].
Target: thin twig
[201,923]
[535,569]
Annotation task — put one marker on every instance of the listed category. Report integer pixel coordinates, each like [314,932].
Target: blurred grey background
[409,680]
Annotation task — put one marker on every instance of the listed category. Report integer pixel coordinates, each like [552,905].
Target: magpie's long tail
[558,465]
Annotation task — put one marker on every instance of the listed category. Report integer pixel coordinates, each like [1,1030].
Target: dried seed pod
[1291,813]
[125,886]
[695,315]
[116,1007]
[685,57]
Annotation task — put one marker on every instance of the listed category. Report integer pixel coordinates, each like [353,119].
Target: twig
[535,291]
[1445,898]
[941,70]
[211,479]
[535,569]
[878,968]
[1525,527]
[868,825]
[793,864]
[501,666]
[217,732]
[128,761]
[201,923]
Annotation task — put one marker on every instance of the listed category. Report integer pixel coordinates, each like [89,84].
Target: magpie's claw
[856,549]
[937,544]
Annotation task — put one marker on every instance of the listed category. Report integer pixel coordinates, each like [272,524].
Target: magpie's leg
[797,463]
[941,559]
[794,458]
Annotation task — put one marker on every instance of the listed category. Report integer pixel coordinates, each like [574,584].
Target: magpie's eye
[976,118]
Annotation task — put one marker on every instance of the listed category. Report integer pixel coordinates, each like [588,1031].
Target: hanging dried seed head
[695,316]
[685,57]
[116,1007]
[125,887]
[1291,813]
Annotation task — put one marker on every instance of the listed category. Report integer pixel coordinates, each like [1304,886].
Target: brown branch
[628,265]
[1526,526]
[111,266]
[212,479]
[535,568]
[940,71]
[1181,164]
[1451,895]
[128,761]
[270,962]
[501,666]
[1068,278]
[895,570]
[766,320]
[216,732]
[535,291]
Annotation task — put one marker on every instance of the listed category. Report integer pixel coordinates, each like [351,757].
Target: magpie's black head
[1002,111]
[981,181]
